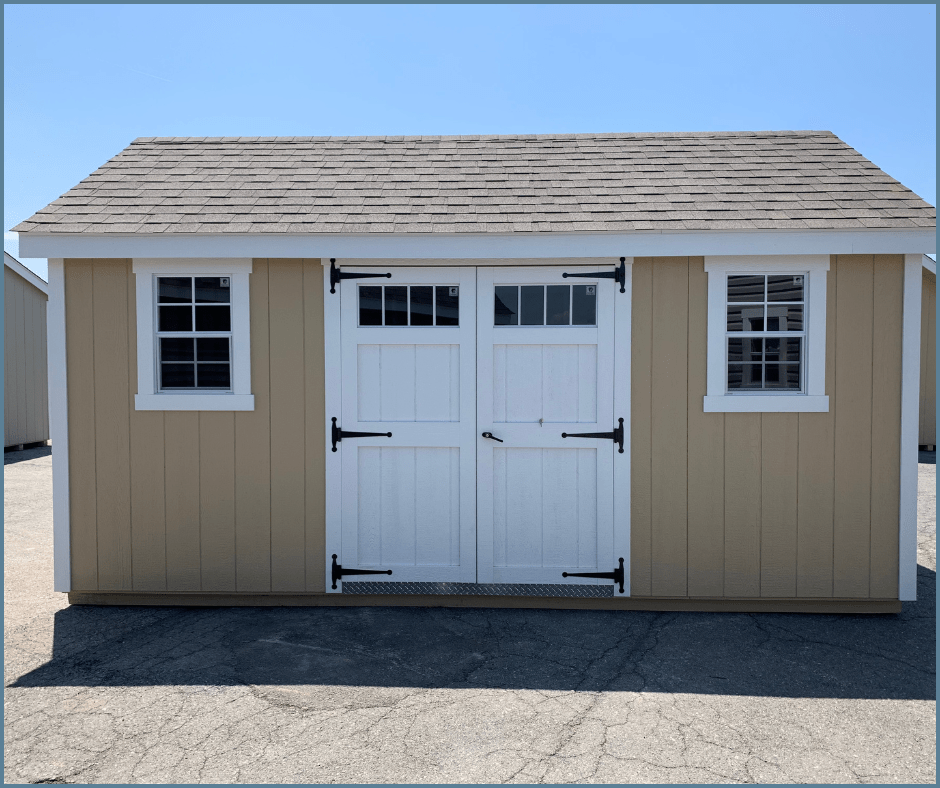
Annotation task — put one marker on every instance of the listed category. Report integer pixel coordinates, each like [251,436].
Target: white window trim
[813,398]
[148,397]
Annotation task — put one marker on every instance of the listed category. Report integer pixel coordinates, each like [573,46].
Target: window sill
[767,403]
[217,402]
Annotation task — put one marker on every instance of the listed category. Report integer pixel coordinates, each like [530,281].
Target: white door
[408,367]
[545,367]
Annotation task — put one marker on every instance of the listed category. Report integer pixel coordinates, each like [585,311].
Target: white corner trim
[147,398]
[59,427]
[333,402]
[642,243]
[18,268]
[814,400]
[766,403]
[623,364]
[930,265]
[910,405]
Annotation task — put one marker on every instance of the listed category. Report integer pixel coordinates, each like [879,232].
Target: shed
[621,371]
[25,389]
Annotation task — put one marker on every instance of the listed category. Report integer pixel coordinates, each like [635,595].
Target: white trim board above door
[393,367]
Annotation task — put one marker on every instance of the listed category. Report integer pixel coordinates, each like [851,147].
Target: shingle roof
[485,184]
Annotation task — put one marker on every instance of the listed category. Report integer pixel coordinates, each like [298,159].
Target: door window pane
[396,306]
[370,306]
[447,304]
[422,306]
[507,306]
[558,306]
[533,305]
[583,305]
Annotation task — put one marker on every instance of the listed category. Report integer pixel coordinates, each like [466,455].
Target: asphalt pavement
[404,695]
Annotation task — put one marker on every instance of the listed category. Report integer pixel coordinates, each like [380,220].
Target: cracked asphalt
[412,695]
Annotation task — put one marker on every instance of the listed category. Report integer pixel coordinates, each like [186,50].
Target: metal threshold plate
[481,589]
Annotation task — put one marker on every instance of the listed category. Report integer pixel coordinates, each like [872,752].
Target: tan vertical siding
[26,403]
[288,530]
[315,461]
[217,501]
[928,361]
[148,493]
[706,455]
[112,426]
[779,505]
[669,426]
[80,371]
[253,452]
[640,434]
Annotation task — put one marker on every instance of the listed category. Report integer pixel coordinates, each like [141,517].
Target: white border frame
[813,400]
[333,406]
[910,413]
[623,406]
[59,426]
[147,397]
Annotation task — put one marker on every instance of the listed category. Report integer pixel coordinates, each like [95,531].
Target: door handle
[492,437]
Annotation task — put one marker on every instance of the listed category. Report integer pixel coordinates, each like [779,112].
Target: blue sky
[82,81]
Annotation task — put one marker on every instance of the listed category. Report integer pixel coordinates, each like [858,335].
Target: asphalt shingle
[489,183]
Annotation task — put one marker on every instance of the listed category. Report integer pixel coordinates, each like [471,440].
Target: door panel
[409,501]
[545,503]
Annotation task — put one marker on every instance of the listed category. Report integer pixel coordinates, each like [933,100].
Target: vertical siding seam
[94,420]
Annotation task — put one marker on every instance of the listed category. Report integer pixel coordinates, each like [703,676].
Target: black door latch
[619,275]
[336,275]
[617,575]
[338,434]
[492,437]
[616,436]
[338,571]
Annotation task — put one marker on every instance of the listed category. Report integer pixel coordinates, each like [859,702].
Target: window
[414,305]
[766,334]
[193,350]
[545,305]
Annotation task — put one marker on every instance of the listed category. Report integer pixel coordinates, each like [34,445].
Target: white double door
[439,356]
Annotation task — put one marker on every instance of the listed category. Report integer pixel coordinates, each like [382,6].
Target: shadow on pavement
[12,457]
[772,655]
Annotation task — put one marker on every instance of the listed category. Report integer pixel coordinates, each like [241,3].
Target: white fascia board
[18,268]
[488,246]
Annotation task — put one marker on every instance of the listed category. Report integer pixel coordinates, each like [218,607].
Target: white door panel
[544,503]
[409,501]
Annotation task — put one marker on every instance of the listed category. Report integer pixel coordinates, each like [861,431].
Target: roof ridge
[487,137]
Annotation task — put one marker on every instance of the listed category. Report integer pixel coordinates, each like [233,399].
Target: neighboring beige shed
[620,371]
[25,387]
[928,358]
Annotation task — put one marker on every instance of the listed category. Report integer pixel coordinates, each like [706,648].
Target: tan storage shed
[928,358]
[626,371]
[25,379]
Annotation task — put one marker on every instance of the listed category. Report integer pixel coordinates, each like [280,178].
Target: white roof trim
[484,246]
[930,265]
[18,268]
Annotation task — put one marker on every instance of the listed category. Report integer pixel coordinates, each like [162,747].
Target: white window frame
[149,397]
[812,398]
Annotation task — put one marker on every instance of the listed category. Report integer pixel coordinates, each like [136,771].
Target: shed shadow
[316,650]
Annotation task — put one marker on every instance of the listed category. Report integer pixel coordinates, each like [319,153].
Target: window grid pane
[770,306]
[409,305]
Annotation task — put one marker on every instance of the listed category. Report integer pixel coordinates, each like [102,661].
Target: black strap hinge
[338,434]
[616,436]
[619,275]
[338,571]
[336,275]
[617,575]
